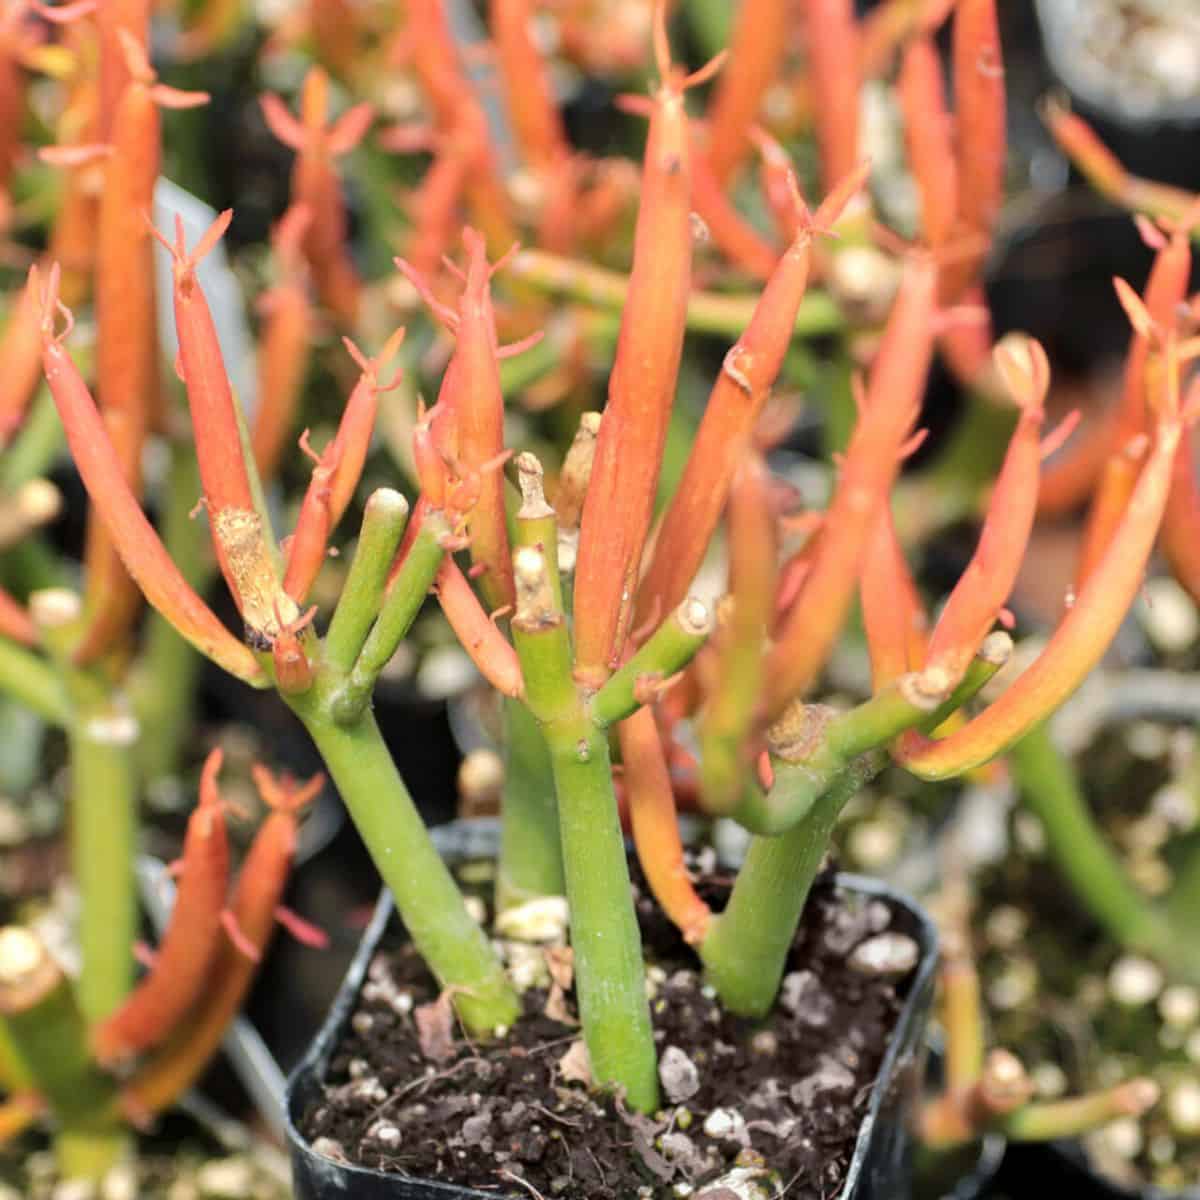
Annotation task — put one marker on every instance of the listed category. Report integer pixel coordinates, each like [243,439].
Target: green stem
[1050,790]
[49,1032]
[747,944]
[103,846]
[669,649]
[404,600]
[610,976]
[31,681]
[36,447]
[716,313]
[530,847]
[453,946]
[362,596]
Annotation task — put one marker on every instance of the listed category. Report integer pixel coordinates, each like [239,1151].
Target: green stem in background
[362,596]
[166,675]
[530,840]
[834,386]
[1050,790]
[1053,1119]
[1183,900]
[708,312]
[525,369]
[31,566]
[36,447]
[610,976]
[711,22]
[101,739]
[453,946]
[103,833]
[400,608]
[30,680]
[746,948]
[50,1035]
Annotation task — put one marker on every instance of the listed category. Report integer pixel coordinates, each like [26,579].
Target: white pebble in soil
[802,995]
[678,1074]
[885,954]
[725,1124]
[830,1077]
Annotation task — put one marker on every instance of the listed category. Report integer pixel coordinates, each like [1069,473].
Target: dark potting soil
[789,1092]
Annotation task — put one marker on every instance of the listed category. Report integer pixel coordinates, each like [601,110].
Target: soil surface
[781,1100]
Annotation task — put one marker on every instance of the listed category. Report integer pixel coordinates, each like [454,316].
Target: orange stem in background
[984,587]
[1078,643]
[316,185]
[655,824]
[894,617]
[832,46]
[255,907]
[532,108]
[758,45]
[730,232]
[15,622]
[143,553]
[21,354]
[431,49]
[1109,502]
[283,351]
[894,392]
[979,100]
[185,955]
[928,136]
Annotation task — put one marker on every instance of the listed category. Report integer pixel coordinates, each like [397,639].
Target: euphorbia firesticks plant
[610,657]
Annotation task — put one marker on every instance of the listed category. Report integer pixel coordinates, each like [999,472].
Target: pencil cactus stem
[1051,1119]
[401,601]
[536,524]
[717,313]
[604,933]
[38,1006]
[668,650]
[530,862]
[869,467]
[893,615]
[832,46]
[758,45]
[141,550]
[984,587]
[619,504]
[362,596]
[1049,788]
[730,712]
[746,945]
[1080,639]
[476,631]
[655,824]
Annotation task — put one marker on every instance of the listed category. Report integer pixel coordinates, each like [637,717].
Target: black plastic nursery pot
[1063,1168]
[880,1166]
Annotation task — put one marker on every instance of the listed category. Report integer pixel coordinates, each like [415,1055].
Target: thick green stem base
[453,946]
